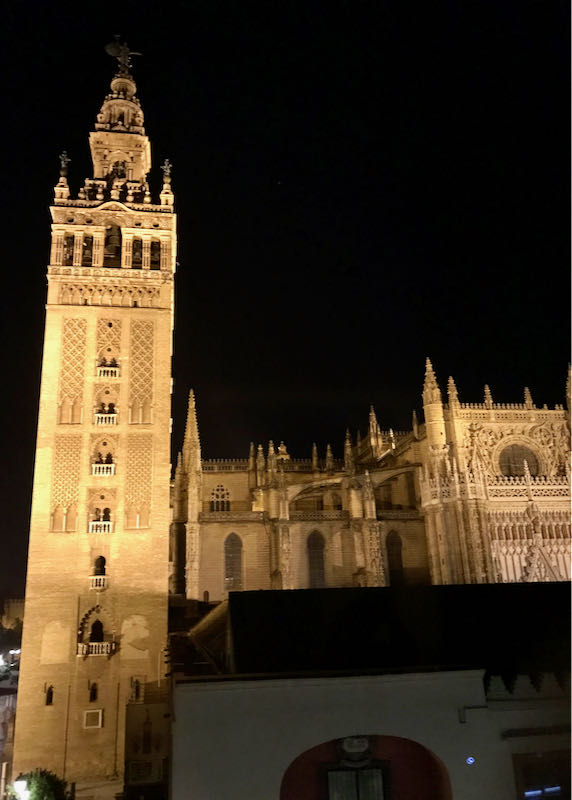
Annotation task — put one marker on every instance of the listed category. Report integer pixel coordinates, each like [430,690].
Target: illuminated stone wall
[96,595]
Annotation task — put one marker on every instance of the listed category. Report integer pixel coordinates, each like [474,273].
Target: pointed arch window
[316,569]
[233,563]
[220,499]
[394,547]
[50,696]
[96,632]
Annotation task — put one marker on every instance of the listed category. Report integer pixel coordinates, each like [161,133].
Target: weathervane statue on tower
[120,51]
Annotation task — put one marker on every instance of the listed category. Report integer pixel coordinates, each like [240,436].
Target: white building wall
[237,738]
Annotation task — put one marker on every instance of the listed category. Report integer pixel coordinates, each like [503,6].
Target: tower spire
[120,150]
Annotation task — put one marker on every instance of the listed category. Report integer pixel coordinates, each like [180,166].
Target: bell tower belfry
[97,582]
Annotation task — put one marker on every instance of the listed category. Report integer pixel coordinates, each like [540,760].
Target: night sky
[358,185]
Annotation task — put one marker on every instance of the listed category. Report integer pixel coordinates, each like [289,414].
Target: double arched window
[233,563]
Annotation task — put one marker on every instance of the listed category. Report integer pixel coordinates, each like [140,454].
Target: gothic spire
[315,463]
[329,459]
[431,391]
[192,444]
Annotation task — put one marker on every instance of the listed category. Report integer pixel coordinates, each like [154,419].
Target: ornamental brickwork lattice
[141,370]
[73,360]
[66,470]
[108,336]
[139,469]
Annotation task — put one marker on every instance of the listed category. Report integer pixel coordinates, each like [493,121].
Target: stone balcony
[101,526]
[98,582]
[96,648]
[103,469]
[108,372]
[104,419]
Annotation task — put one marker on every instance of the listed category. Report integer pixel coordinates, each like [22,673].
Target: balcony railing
[101,526]
[98,582]
[108,372]
[105,419]
[103,469]
[95,648]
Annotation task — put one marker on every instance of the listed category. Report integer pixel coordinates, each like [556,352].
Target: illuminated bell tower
[96,595]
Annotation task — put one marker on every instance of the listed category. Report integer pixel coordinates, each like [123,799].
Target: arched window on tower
[99,566]
[233,563]
[137,254]
[316,570]
[68,250]
[112,248]
[87,251]
[220,499]
[96,631]
[394,547]
[155,254]
[93,692]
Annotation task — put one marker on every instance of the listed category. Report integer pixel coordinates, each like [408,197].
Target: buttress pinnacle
[192,444]
[431,391]
[452,391]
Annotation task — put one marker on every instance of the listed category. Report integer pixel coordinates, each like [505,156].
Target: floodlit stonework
[479,493]
[96,595]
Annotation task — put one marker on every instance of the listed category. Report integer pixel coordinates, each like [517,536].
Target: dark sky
[358,185]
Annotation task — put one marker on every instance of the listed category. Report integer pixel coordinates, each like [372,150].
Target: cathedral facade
[476,493]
